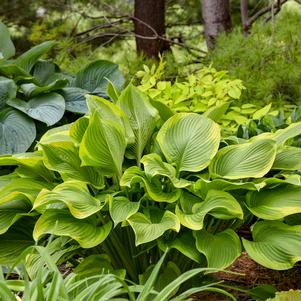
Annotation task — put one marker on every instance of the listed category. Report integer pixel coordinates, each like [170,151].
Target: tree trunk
[217,19]
[149,21]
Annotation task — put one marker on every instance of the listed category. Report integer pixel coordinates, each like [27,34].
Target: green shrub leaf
[7,48]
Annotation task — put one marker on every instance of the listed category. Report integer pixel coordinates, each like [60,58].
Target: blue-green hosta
[124,181]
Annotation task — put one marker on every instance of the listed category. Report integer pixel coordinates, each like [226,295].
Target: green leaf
[57,134]
[103,145]
[276,203]
[94,77]
[8,90]
[220,249]
[217,112]
[17,132]
[85,231]
[276,245]
[150,228]
[78,129]
[189,141]
[45,72]
[30,57]
[121,208]
[248,160]
[75,99]
[220,204]
[112,92]
[291,295]
[288,158]
[164,111]
[48,108]
[142,117]
[7,48]
[262,112]
[74,194]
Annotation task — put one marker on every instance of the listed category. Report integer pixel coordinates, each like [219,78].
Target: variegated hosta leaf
[275,245]
[288,159]
[78,129]
[57,134]
[153,186]
[121,208]
[247,160]
[154,166]
[85,231]
[219,204]
[74,194]
[109,111]
[276,203]
[220,249]
[103,145]
[189,141]
[63,157]
[142,117]
[148,228]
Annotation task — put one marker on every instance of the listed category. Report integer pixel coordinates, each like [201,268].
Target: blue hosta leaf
[75,99]
[45,72]
[276,245]
[48,108]
[8,90]
[7,48]
[220,249]
[17,132]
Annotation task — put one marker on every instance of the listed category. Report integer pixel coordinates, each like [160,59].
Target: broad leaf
[78,129]
[17,132]
[75,99]
[85,231]
[248,160]
[7,48]
[288,159]
[291,295]
[56,134]
[150,228]
[220,249]
[276,245]
[189,141]
[8,90]
[45,72]
[142,117]
[103,145]
[48,108]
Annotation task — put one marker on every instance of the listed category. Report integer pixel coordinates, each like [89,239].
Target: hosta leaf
[63,157]
[31,90]
[219,204]
[103,145]
[165,111]
[217,112]
[78,129]
[95,77]
[276,245]
[153,186]
[75,99]
[247,160]
[8,90]
[57,134]
[112,92]
[44,71]
[48,108]
[288,158]
[17,132]
[153,166]
[291,295]
[30,57]
[275,203]
[85,231]
[146,230]
[7,48]
[142,117]
[220,249]
[121,208]
[189,141]
[74,194]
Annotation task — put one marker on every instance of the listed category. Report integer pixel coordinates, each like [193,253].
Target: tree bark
[217,19]
[149,22]
[244,16]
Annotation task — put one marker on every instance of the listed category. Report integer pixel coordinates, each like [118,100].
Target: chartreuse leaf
[276,203]
[7,48]
[142,117]
[78,129]
[85,231]
[103,145]
[276,245]
[121,208]
[291,295]
[48,108]
[288,158]
[63,157]
[154,166]
[189,141]
[57,134]
[149,228]
[17,132]
[74,194]
[112,92]
[248,160]
[220,249]
[219,204]
[153,186]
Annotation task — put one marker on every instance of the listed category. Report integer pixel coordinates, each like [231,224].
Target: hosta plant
[123,181]
[35,92]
